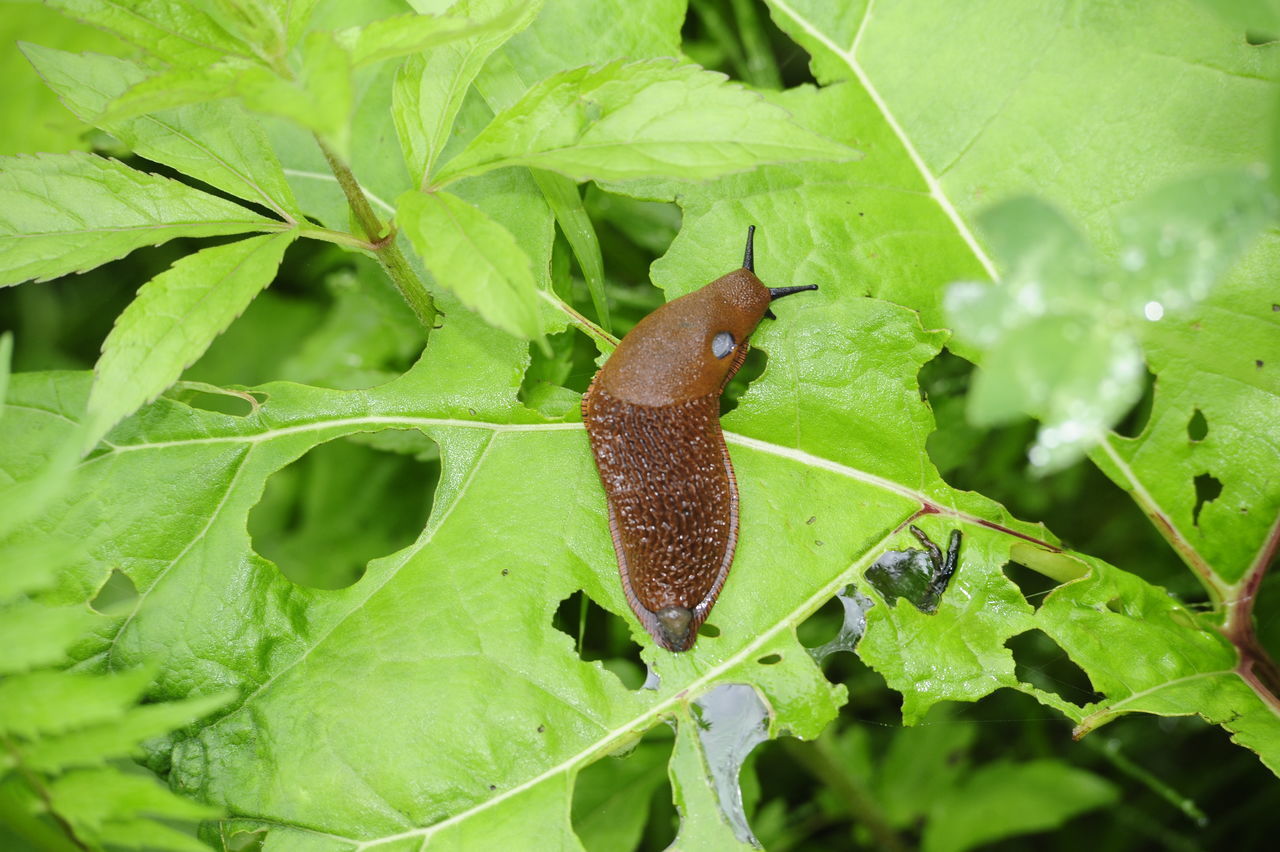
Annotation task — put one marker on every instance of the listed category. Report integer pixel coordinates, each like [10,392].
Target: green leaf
[62,213]
[1061,331]
[430,87]
[95,744]
[215,142]
[32,117]
[179,33]
[51,702]
[474,257]
[625,121]
[318,95]
[37,635]
[173,320]
[413,34]
[1006,799]
[610,811]
[107,806]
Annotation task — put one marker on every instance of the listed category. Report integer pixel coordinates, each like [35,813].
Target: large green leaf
[464,613]
[62,213]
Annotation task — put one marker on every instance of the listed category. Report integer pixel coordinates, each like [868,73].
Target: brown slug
[653,417]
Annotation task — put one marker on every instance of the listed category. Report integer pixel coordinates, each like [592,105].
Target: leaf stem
[1256,666]
[341,238]
[382,241]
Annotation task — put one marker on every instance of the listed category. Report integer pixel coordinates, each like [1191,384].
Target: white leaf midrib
[849,57]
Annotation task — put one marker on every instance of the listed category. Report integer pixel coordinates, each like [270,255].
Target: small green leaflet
[625,121]
[473,256]
[173,320]
[63,213]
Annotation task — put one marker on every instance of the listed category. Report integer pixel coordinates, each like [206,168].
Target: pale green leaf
[95,744]
[215,142]
[412,34]
[318,96]
[100,796]
[30,113]
[50,702]
[473,256]
[430,87]
[62,213]
[35,635]
[625,121]
[172,321]
[179,33]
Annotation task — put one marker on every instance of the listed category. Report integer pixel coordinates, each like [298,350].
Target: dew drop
[1153,311]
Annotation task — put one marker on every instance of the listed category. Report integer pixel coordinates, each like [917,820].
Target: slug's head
[691,346]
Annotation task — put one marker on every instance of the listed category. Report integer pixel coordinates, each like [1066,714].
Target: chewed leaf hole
[1039,661]
[598,634]
[1135,422]
[752,368]
[553,384]
[843,620]
[731,721]
[1197,426]
[709,631]
[621,800]
[118,595]
[822,625]
[770,660]
[1208,487]
[1033,585]
[207,397]
[322,518]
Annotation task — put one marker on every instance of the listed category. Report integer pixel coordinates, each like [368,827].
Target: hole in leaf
[710,631]
[322,518]
[553,384]
[598,634]
[1197,426]
[752,367]
[770,660]
[1258,38]
[246,841]
[731,720]
[1033,585]
[714,36]
[1039,661]
[218,400]
[117,596]
[845,623]
[624,802]
[822,625]
[1133,423]
[1208,487]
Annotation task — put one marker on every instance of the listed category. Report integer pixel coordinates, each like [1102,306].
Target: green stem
[383,242]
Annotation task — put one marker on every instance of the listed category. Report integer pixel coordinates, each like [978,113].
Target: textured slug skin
[653,416]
